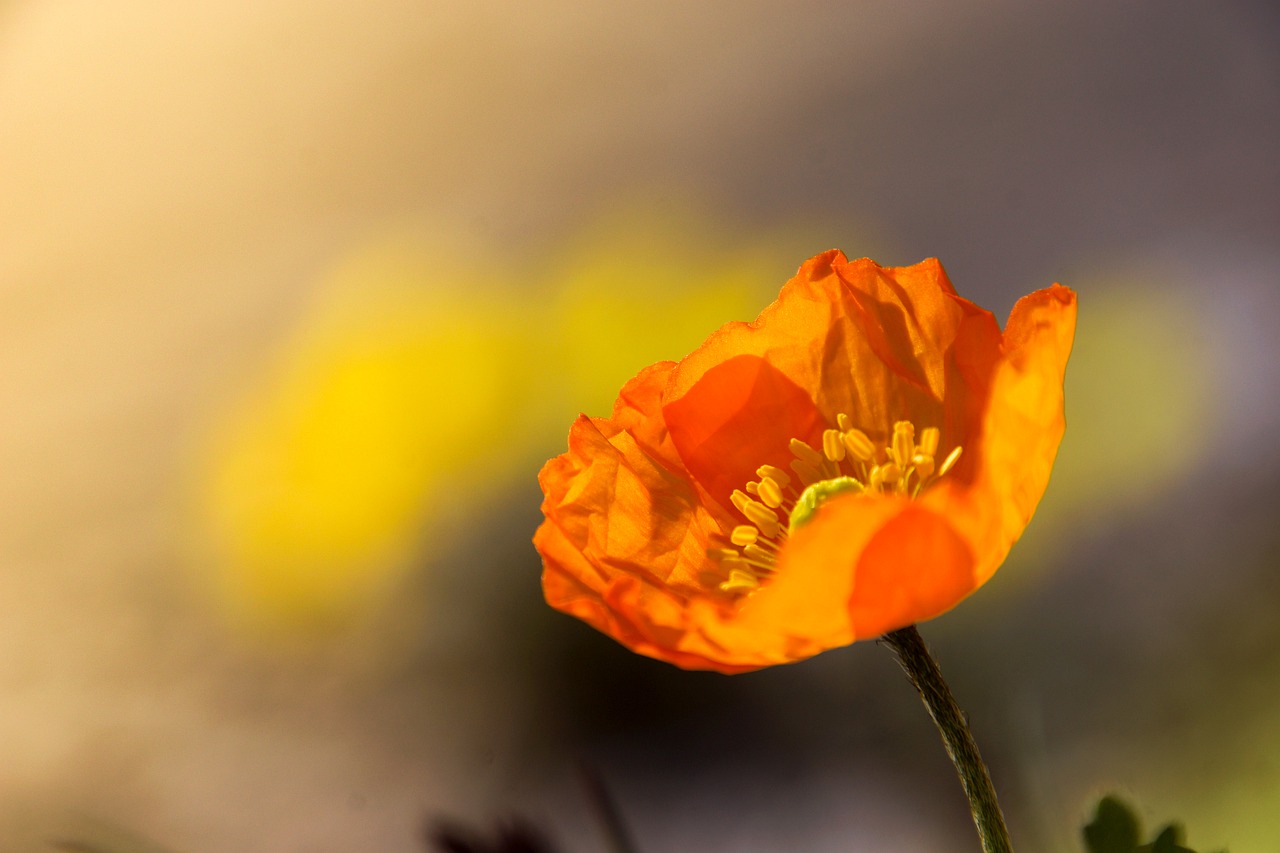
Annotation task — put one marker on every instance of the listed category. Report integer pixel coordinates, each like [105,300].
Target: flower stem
[953,725]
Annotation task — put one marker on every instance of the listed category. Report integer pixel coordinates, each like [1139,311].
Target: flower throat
[849,462]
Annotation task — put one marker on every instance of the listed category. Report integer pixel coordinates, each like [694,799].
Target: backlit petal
[634,505]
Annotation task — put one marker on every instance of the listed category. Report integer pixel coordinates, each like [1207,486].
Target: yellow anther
[832,446]
[805,453]
[876,480]
[807,473]
[859,446]
[846,461]
[950,461]
[904,446]
[923,464]
[757,508]
[740,581]
[776,474]
[770,493]
[928,444]
[762,517]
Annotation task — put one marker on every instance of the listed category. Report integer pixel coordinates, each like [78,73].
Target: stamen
[860,447]
[770,493]
[755,552]
[807,473]
[928,445]
[740,581]
[767,544]
[950,461]
[900,466]
[923,464]
[904,433]
[762,517]
[805,453]
[776,474]
[832,446]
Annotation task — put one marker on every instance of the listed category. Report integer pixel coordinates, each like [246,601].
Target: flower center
[848,462]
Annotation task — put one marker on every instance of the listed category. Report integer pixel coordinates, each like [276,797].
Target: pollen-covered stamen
[849,462]
[903,447]
[776,474]
[765,519]
[758,555]
[887,474]
[859,446]
[833,446]
[770,493]
[805,473]
[923,465]
[801,450]
[758,540]
[950,461]
[928,445]
[740,580]
[750,559]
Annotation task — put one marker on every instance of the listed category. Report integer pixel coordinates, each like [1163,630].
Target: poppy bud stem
[952,724]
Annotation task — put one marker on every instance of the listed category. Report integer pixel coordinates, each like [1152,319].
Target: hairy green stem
[952,724]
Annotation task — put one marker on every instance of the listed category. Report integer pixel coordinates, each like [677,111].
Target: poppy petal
[992,501]
[808,598]
[739,415]
[633,506]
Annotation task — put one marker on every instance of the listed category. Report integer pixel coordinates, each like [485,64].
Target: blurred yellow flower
[423,382]
[383,412]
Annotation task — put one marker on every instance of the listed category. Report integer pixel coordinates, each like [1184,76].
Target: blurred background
[295,299]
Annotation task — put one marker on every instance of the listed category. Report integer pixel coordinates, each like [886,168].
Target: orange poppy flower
[858,459]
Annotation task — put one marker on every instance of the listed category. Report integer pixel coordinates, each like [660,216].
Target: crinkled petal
[625,533]
[876,343]
[1008,470]
[638,410]
[633,505]
[740,415]
[933,350]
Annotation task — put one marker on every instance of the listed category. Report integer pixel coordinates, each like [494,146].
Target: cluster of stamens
[849,461]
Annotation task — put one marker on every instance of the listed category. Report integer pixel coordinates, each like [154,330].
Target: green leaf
[1168,841]
[1115,828]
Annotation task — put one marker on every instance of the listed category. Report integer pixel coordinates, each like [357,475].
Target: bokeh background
[295,298]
